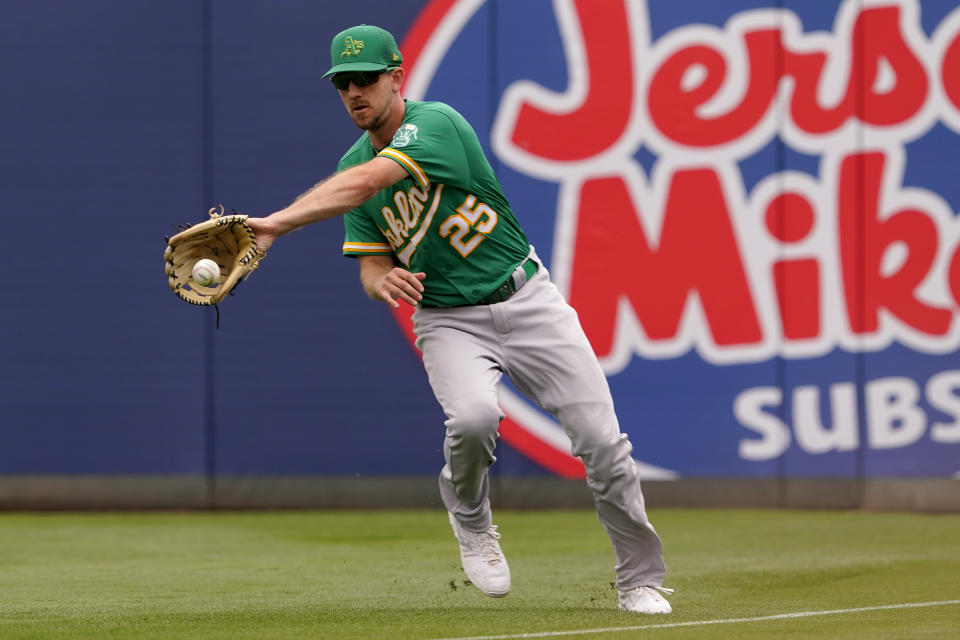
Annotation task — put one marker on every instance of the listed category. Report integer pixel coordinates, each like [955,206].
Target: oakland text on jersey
[409,207]
[406,223]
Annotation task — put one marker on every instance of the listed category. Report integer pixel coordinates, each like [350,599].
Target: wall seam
[209,353]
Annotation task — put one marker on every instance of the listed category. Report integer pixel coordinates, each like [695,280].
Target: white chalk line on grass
[699,623]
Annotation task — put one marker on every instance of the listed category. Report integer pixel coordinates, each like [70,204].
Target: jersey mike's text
[683,256]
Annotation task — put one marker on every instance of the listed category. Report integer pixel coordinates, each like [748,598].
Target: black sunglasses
[360,78]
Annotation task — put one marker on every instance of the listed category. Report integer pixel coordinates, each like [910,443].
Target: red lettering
[953,275]
[864,239]
[696,253]
[594,126]
[805,108]
[798,296]
[950,72]
[877,37]
[790,219]
[674,107]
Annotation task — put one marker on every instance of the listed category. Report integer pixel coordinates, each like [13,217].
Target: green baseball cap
[363,48]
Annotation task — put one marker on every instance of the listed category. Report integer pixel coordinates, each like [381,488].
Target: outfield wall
[201,492]
[752,205]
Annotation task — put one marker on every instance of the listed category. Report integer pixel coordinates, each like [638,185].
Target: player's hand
[264,232]
[400,284]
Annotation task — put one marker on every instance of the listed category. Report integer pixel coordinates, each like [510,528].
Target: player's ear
[397,76]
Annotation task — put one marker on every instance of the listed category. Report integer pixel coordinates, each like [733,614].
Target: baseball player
[427,221]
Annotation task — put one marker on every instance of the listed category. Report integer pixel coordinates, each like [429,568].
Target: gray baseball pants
[535,338]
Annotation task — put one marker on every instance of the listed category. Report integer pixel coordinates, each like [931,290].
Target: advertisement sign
[751,207]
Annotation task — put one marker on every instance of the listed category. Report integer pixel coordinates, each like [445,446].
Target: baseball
[206,272]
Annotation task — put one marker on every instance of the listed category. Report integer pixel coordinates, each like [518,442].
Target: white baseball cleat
[645,600]
[482,559]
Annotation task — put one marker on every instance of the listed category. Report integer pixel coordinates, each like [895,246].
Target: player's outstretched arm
[384,281]
[334,196]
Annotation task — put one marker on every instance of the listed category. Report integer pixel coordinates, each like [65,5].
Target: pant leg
[551,361]
[464,373]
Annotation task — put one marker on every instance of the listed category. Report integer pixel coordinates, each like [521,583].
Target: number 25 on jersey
[471,217]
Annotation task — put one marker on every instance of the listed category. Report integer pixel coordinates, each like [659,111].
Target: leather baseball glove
[225,239]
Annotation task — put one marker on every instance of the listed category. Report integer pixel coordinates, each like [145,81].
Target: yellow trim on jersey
[409,164]
[366,247]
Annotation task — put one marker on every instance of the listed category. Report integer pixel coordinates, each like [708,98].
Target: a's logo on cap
[352,47]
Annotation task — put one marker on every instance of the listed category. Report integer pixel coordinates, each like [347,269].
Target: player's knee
[474,420]
[608,473]
[605,453]
[594,431]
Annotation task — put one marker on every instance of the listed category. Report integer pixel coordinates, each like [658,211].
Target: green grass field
[396,575]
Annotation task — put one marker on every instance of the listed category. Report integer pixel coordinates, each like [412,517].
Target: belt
[517,279]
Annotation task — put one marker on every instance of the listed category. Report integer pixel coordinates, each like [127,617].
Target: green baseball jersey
[447,218]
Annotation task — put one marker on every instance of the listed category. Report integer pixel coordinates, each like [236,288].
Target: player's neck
[382,135]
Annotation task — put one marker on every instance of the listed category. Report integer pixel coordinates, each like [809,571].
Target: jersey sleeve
[362,237]
[430,148]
